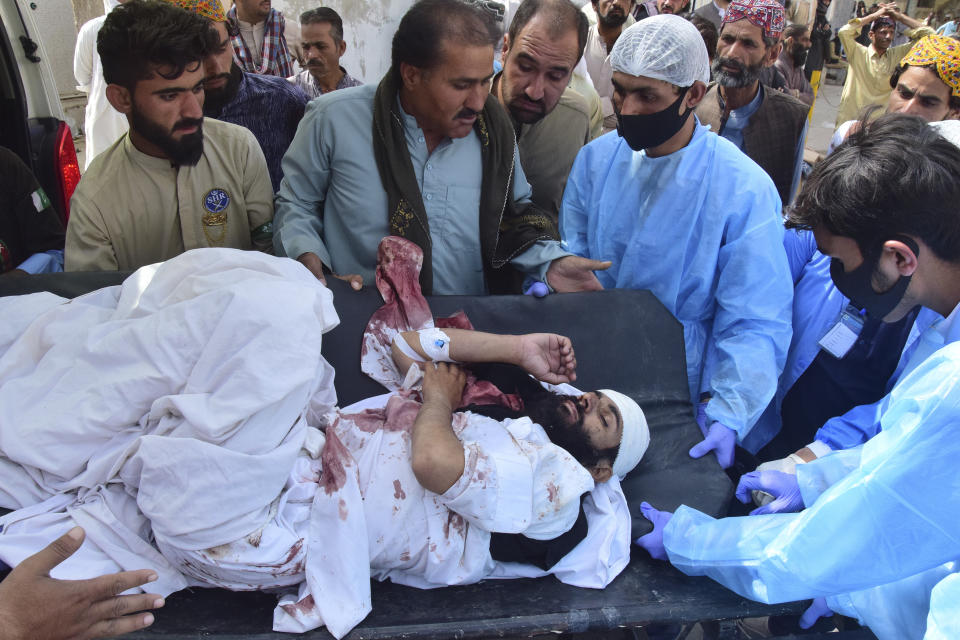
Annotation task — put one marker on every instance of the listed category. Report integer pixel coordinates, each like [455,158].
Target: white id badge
[843,335]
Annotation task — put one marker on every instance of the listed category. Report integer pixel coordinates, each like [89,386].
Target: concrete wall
[368,27]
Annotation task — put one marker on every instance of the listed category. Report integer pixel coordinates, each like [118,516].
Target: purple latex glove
[653,541]
[719,439]
[702,418]
[537,289]
[782,486]
[817,609]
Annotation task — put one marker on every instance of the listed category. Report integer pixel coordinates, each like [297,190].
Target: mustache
[466,112]
[188,123]
[730,62]
[225,76]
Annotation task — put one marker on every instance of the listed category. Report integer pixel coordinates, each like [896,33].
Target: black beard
[612,20]
[799,55]
[746,77]
[186,151]
[217,99]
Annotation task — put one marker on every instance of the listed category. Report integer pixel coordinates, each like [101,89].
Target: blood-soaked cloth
[405,309]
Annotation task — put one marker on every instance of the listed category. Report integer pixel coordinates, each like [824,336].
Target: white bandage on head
[636,433]
[663,47]
[436,344]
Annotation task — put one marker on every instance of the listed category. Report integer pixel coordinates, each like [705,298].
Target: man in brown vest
[767,125]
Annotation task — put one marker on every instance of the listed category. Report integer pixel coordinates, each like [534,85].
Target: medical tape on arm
[404,347]
[436,344]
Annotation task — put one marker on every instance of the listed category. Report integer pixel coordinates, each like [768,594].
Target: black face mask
[857,284]
[652,129]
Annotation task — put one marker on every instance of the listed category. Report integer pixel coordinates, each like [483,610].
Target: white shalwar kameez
[191,406]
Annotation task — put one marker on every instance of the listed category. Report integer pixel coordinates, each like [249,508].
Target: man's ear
[772,54]
[342,47]
[903,257]
[410,75]
[695,94]
[120,98]
[601,471]
[506,46]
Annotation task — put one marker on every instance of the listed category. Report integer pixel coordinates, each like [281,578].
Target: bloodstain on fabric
[401,412]
[405,556]
[335,458]
[304,607]
[398,491]
[254,538]
[456,522]
[552,491]
[368,420]
[342,509]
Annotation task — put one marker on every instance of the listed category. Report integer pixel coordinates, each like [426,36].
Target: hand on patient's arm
[33,605]
[436,452]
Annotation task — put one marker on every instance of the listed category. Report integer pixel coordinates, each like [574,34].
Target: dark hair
[897,175]
[952,103]
[708,31]
[563,15]
[141,35]
[794,31]
[428,24]
[325,14]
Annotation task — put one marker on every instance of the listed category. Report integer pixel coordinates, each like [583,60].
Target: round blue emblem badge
[216,200]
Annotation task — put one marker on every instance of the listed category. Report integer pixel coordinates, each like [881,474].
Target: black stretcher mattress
[624,340]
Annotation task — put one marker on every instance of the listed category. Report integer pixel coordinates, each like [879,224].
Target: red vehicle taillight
[68,168]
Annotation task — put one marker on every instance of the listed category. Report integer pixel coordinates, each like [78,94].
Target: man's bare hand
[313,262]
[548,357]
[443,384]
[355,280]
[35,606]
[574,273]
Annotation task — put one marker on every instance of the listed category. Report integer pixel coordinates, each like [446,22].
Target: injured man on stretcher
[188,421]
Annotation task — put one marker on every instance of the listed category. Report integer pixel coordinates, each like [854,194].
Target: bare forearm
[437,453]
[908,21]
[472,346]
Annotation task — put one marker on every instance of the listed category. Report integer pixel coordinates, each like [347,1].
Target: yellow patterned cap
[942,54]
[209,9]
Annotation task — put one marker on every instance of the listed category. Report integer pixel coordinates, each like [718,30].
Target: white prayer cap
[636,433]
[949,129]
[664,47]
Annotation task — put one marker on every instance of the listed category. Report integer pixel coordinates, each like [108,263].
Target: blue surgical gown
[816,308]
[943,620]
[880,513]
[701,229]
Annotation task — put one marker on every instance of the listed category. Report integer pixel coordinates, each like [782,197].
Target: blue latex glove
[719,439]
[653,541]
[817,609]
[782,486]
[537,289]
[702,418]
